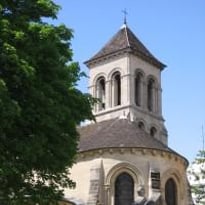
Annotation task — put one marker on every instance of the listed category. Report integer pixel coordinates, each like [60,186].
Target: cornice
[128,50]
[140,151]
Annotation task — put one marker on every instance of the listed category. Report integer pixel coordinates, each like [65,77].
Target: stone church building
[123,157]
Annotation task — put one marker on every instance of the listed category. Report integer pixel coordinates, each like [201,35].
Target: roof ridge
[126,34]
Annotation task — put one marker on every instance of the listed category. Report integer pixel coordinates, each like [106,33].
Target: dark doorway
[124,189]
[171,192]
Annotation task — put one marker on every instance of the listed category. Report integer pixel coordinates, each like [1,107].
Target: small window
[141,125]
[155,178]
[153,131]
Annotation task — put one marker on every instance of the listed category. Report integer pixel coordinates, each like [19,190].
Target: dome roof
[116,133]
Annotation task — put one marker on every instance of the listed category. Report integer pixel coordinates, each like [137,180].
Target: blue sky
[174,31]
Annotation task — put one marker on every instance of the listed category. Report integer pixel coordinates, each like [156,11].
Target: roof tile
[117,133]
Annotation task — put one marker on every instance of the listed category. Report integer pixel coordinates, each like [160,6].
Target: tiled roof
[125,41]
[116,133]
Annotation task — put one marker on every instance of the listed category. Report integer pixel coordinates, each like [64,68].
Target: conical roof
[125,41]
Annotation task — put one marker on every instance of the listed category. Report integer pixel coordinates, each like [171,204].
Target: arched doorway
[124,189]
[171,192]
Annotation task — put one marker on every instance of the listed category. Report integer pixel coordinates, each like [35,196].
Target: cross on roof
[125,15]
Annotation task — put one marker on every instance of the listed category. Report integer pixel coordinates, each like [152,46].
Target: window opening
[101,93]
[117,89]
[141,125]
[150,95]
[138,88]
[153,131]
[155,178]
[124,189]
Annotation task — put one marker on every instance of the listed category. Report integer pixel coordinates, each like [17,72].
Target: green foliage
[197,172]
[39,104]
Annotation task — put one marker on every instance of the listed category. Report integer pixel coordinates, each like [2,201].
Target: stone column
[107,194]
[108,94]
[144,96]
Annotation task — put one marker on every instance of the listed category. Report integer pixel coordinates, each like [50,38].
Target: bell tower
[124,156]
[126,78]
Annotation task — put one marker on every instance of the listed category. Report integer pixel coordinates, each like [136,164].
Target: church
[123,157]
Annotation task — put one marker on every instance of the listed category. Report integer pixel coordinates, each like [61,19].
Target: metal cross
[125,15]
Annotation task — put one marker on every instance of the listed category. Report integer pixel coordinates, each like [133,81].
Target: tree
[40,105]
[197,178]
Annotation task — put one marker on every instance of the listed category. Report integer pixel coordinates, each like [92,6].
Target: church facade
[123,157]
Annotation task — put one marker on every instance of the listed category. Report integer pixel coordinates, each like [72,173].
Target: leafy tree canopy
[39,103]
[197,178]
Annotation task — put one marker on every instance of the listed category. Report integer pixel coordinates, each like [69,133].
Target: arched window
[153,131]
[116,89]
[141,125]
[138,89]
[150,95]
[171,192]
[101,93]
[124,189]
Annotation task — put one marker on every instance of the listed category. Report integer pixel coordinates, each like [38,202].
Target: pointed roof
[125,41]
